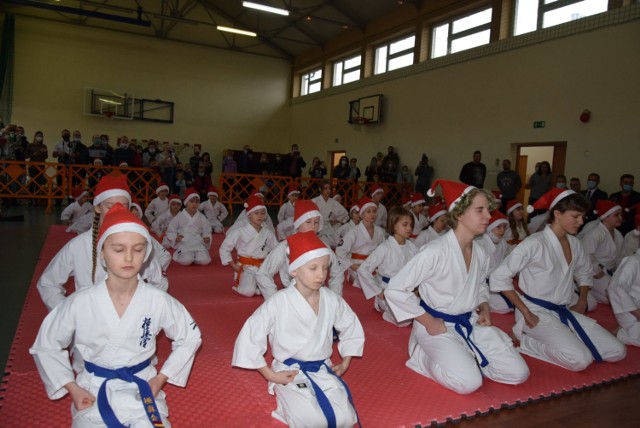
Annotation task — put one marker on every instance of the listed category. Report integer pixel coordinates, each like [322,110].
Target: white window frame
[453,37]
[388,58]
[311,82]
[340,70]
[544,8]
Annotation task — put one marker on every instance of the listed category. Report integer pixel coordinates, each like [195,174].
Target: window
[461,33]
[534,15]
[311,82]
[347,70]
[394,55]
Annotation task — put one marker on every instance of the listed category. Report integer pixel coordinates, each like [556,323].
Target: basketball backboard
[108,102]
[366,110]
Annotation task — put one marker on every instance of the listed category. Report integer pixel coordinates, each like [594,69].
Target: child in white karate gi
[112,328]
[285,214]
[360,241]
[297,322]
[354,213]
[252,242]
[161,254]
[334,215]
[190,233]
[624,295]
[243,218]
[386,260]
[437,227]
[497,249]
[518,228]
[79,208]
[307,218]
[214,210]
[161,224]
[452,340]
[419,220]
[79,258]
[603,245]
[158,205]
[548,326]
[376,195]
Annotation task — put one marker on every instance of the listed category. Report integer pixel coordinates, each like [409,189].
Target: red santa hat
[136,204]
[355,208]
[550,199]
[436,210]
[110,186]
[452,191]
[605,207]
[175,199]
[254,203]
[120,219]
[161,187]
[406,200]
[303,210]
[417,199]
[213,191]
[258,193]
[189,194]
[78,192]
[365,203]
[293,190]
[376,189]
[513,205]
[305,247]
[123,165]
[497,196]
[497,218]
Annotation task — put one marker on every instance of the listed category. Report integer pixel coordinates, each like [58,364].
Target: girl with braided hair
[111,328]
[78,258]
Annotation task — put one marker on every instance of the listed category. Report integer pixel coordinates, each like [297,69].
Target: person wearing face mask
[594,194]
[626,198]
[37,152]
[149,155]
[561,181]
[124,152]
[341,171]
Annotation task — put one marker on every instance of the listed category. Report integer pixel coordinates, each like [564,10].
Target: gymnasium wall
[490,102]
[223,99]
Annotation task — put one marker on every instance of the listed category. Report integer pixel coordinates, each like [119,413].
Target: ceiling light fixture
[236,31]
[265,8]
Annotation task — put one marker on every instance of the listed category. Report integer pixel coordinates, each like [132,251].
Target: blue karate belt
[461,320]
[385,279]
[567,317]
[323,401]
[507,301]
[126,374]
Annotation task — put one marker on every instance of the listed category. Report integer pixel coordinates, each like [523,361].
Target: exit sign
[539,124]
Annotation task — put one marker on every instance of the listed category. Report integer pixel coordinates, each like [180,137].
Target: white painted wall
[491,102]
[223,99]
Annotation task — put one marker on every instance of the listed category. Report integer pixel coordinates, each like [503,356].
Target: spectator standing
[194,160]
[390,166]
[509,183]
[124,152]
[540,182]
[149,155]
[627,198]
[575,185]
[167,162]
[293,163]
[594,194]
[354,171]
[473,173]
[36,152]
[405,177]
[202,182]
[318,169]
[229,165]
[424,172]
[341,171]
[206,162]
[372,169]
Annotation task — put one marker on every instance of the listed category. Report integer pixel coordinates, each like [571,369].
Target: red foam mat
[387,394]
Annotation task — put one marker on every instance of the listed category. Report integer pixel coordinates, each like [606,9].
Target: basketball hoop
[360,120]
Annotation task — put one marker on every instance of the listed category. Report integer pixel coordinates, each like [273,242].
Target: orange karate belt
[249,261]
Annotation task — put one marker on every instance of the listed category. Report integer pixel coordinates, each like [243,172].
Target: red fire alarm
[585,116]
